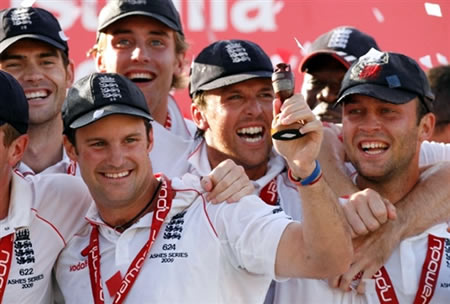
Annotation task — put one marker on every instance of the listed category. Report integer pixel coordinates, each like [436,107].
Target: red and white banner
[416,28]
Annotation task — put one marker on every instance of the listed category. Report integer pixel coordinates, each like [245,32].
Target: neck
[5,194]
[159,114]
[122,218]
[215,157]
[45,145]
[394,188]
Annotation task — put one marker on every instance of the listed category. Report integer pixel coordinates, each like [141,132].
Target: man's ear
[70,74]
[150,140]
[426,126]
[99,63]
[71,150]
[17,149]
[198,117]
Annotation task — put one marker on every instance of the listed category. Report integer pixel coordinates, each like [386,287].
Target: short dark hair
[439,78]
[11,134]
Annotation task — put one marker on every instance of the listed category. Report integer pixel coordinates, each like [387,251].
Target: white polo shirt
[177,124]
[65,165]
[432,152]
[44,212]
[404,269]
[204,253]
[170,152]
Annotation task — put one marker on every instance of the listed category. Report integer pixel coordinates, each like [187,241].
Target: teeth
[250,130]
[373,145]
[140,75]
[253,139]
[117,175]
[36,94]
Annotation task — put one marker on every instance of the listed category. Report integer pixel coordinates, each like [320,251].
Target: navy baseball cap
[392,77]
[99,95]
[227,62]
[161,10]
[31,22]
[345,44]
[13,103]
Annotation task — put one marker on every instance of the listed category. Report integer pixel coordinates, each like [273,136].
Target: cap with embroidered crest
[392,77]
[13,103]
[344,43]
[31,22]
[99,95]
[227,62]
[161,10]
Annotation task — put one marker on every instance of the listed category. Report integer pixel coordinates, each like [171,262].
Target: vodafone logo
[383,286]
[5,257]
[79,266]
[162,203]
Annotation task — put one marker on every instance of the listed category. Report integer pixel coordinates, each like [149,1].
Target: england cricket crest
[23,248]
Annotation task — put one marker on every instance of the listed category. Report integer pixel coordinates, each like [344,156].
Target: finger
[334,281]
[391,210]
[366,214]
[379,209]
[368,273]
[206,183]
[351,278]
[311,126]
[356,224]
[246,190]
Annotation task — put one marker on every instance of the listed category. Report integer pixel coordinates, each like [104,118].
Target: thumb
[391,210]
[206,183]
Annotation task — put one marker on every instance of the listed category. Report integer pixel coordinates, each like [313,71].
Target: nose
[116,156]
[140,53]
[370,123]
[32,73]
[254,107]
[327,94]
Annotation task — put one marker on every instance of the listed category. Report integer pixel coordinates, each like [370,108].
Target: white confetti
[300,45]
[433,9]
[27,3]
[441,58]
[378,15]
[426,61]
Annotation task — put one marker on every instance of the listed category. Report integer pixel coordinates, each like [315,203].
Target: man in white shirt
[387,106]
[33,48]
[38,214]
[144,41]
[203,253]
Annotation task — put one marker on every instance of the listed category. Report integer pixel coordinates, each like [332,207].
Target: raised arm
[323,234]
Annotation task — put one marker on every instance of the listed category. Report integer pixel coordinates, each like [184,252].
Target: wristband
[313,178]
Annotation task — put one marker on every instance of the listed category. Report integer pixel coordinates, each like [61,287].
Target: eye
[266,96]
[234,97]
[122,43]
[97,144]
[131,140]
[156,43]
[48,62]
[386,111]
[10,64]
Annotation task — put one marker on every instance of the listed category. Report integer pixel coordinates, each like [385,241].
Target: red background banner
[418,29]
